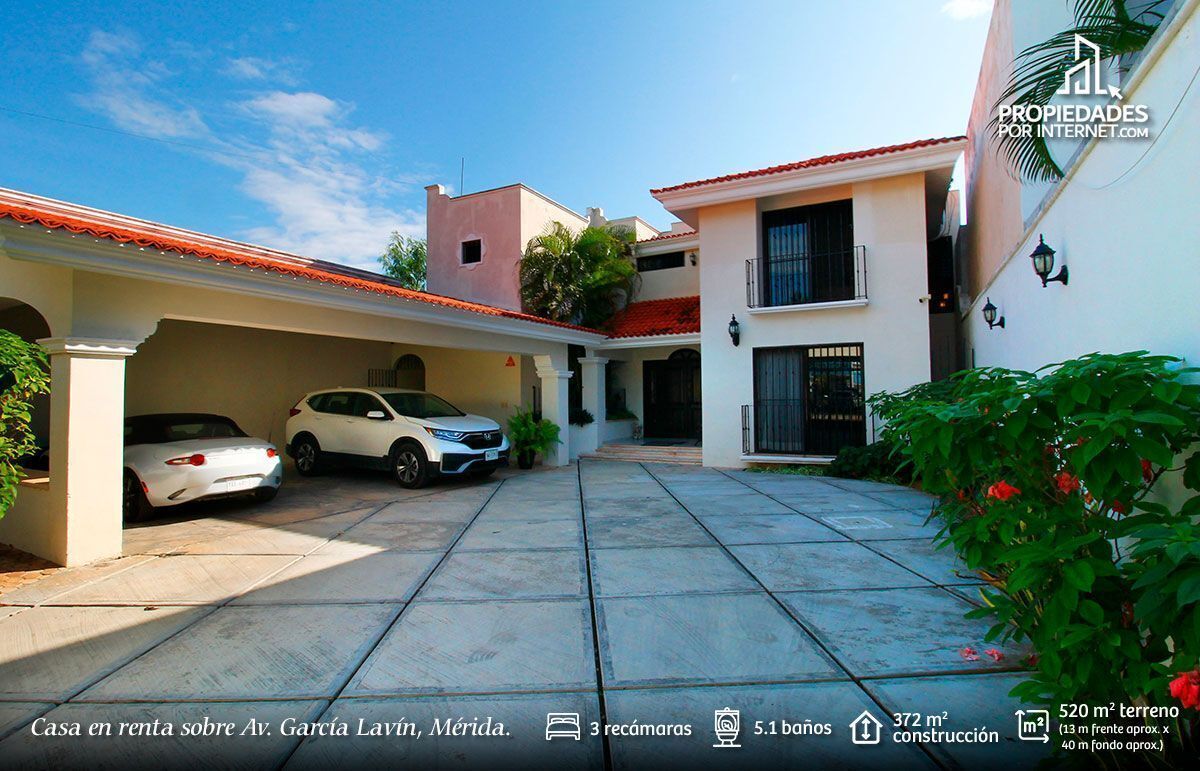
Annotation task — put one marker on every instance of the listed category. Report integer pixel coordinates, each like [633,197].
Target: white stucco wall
[478,382]
[1125,223]
[670,282]
[889,220]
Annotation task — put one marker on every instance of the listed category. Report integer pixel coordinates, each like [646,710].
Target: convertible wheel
[307,456]
[134,505]
[410,466]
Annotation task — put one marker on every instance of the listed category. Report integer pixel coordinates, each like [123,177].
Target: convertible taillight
[271,452]
[187,460]
[293,412]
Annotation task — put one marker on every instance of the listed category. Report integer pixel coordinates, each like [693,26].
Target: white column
[555,405]
[594,399]
[87,415]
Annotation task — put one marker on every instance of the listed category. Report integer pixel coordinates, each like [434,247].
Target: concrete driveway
[642,597]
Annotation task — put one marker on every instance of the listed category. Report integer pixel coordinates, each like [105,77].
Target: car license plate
[237,485]
[491,455]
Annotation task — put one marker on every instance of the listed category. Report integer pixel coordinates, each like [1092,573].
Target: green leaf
[1189,590]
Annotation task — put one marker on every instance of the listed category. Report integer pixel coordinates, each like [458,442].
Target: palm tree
[1041,68]
[578,277]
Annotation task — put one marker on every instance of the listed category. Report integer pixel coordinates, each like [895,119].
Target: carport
[144,317]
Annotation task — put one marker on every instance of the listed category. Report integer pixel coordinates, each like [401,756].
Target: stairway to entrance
[641,453]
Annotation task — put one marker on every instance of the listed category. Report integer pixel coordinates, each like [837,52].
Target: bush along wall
[1045,483]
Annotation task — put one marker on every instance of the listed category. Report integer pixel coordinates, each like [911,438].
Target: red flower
[969,654]
[1119,507]
[1147,472]
[1002,491]
[994,654]
[1067,482]
[1186,688]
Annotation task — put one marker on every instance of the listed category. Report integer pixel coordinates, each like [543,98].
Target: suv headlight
[449,436]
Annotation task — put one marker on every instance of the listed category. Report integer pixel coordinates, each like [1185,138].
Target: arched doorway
[671,396]
[27,323]
[410,372]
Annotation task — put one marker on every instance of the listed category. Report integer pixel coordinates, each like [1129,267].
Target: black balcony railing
[790,427]
[803,279]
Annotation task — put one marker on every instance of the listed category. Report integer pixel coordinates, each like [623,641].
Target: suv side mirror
[377,415]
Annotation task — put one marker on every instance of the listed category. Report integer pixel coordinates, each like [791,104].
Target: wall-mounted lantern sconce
[1043,263]
[694,259]
[735,330]
[989,315]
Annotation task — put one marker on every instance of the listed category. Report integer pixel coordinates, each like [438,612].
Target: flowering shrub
[24,374]
[1043,481]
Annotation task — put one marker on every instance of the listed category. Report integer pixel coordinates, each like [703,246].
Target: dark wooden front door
[671,396]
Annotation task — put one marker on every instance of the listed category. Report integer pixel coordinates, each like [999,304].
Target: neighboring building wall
[503,220]
[890,221]
[478,382]
[495,218]
[1124,222]
[191,367]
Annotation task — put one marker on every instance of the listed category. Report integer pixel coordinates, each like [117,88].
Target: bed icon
[562,725]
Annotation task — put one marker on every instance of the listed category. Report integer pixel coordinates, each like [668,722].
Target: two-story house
[782,299]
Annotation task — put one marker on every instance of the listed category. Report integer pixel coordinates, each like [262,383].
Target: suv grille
[483,440]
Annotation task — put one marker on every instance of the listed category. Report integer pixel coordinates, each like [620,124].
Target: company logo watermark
[1078,120]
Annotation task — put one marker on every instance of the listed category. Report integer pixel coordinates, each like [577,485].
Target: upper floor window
[472,251]
[660,261]
[808,256]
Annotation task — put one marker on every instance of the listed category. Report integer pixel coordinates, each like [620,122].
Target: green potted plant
[530,435]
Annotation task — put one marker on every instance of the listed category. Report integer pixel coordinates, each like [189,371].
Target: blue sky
[315,127]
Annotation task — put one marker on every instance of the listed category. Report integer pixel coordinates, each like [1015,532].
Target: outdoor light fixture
[735,330]
[989,315]
[1043,263]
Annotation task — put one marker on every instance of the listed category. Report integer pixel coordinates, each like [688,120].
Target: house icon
[866,729]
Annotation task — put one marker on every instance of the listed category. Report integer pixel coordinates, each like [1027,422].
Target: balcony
[803,281]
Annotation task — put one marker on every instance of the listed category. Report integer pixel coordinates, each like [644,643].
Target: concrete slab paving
[832,502]
[52,652]
[761,708]
[345,577]
[524,745]
[15,714]
[625,532]
[883,525]
[283,651]
[654,506]
[403,536]
[942,566]
[899,631]
[821,566]
[483,647]
[744,502]
[199,578]
[671,570]
[903,497]
[24,750]
[967,703]
[490,532]
[768,528]
[72,578]
[704,639]
[508,574]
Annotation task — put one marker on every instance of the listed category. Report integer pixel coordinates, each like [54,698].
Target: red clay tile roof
[823,160]
[666,236]
[124,230]
[673,316]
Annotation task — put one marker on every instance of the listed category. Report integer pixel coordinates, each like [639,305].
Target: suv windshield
[421,405]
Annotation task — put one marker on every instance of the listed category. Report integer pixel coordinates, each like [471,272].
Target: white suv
[414,434]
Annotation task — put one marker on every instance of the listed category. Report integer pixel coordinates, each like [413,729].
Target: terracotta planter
[525,459]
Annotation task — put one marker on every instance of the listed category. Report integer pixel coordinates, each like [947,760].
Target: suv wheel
[307,455]
[410,466]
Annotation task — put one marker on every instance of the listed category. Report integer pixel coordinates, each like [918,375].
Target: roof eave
[685,201]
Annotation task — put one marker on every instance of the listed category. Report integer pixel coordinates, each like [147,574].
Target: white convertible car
[178,457]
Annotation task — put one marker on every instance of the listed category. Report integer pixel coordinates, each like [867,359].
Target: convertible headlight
[449,436]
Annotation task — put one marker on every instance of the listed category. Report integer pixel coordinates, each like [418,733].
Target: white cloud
[961,10]
[120,85]
[257,68]
[298,152]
